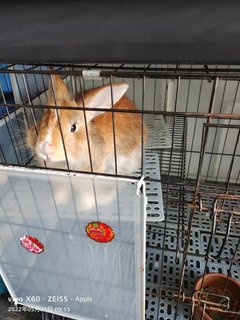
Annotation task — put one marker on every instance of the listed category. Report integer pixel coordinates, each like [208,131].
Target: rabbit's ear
[57,91]
[105,97]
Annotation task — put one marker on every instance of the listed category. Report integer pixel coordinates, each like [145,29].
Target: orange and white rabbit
[46,139]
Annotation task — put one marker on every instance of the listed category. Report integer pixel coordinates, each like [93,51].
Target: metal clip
[141,183]
[91,74]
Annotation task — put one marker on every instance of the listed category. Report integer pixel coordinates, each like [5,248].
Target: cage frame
[169,181]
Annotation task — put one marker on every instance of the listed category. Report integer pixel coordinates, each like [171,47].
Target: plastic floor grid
[169,277]
[159,138]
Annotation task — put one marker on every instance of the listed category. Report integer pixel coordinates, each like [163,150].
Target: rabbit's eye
[73,127]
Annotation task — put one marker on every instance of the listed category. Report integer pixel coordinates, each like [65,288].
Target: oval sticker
[32,244]
[99,231]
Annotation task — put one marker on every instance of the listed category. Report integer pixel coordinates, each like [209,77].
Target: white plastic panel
[155,210]
[158,134]
[75,276]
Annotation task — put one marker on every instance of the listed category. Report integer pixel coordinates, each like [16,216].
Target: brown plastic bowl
[215,280]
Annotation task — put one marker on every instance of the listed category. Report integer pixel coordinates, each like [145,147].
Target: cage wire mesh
[190,162]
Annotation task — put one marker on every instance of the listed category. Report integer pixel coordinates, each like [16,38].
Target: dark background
[120,31]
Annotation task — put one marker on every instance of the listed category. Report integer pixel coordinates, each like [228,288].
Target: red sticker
[100,232]
[32,244]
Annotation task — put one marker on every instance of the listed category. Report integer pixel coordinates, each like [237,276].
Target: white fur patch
[126,165]
[48,137]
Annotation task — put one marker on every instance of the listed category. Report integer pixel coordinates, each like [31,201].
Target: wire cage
[190,160]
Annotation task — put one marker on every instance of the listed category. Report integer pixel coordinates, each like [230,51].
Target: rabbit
[45,140]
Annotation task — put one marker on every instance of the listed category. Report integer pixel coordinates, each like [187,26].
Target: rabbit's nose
[48,148]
